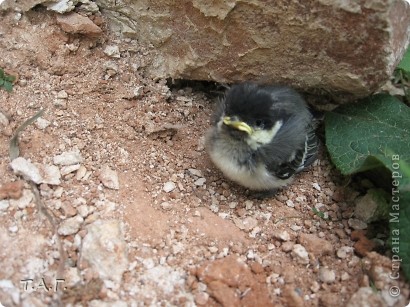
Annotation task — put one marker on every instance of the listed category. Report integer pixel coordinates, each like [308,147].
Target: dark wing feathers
[303,158]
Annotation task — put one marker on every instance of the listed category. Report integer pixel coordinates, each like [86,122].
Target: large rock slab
[338,45]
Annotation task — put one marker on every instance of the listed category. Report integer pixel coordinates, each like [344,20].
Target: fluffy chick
[261,136]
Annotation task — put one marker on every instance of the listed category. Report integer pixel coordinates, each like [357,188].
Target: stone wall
[337,45]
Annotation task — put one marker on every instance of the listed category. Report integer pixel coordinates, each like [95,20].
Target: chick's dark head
[257,113]
[248,104]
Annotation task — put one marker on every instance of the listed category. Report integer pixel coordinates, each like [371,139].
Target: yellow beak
[241,126]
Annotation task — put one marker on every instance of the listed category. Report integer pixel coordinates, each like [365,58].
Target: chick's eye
[260,123]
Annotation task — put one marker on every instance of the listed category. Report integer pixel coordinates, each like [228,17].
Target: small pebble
[62,94]
[357,224]
[109,178]
[316,186]
[248,204]
[13,229]
[201,298]
[70,226]
[4,204]
[68,158]
[166,205]
[26,169]
[300,254]
[3,119]
[195,172]
[344,251]
[42,123]
[65,170]
[283,236]
[326,275]
[233,204]
[200,182]
[112,51]
[168,186]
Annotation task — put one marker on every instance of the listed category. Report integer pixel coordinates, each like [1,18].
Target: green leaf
[8,86]
[405,62]
[368,134]
[10,78]
[1,73]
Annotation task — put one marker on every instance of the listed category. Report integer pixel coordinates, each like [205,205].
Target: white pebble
[65,170]
[300,254]
[112,51]
[13,228]
[62,94]
[200,182]
[51,174]
[283,236]
[166,205]
[70,226]
[109,178]
[168,186]
[344,251]
[316,186]
[68,158]
[233,204]
[326,275]
[42,123]
[23,201]
[26,169]
[248,204]
[4,204]
[195,172]
[4,120]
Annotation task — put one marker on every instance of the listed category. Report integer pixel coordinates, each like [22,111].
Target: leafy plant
[369,134]
[374,133]
[6,81]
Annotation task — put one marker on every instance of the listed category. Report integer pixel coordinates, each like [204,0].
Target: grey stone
[338,45]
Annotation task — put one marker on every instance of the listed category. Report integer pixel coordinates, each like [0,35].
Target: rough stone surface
[77,24]
[105,249]
[333,44]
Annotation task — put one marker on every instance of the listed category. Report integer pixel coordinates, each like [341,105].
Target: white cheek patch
[262,137]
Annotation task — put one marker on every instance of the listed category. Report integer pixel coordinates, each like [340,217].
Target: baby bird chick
[261,136]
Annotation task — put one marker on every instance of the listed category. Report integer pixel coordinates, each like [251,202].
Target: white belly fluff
[255,178]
